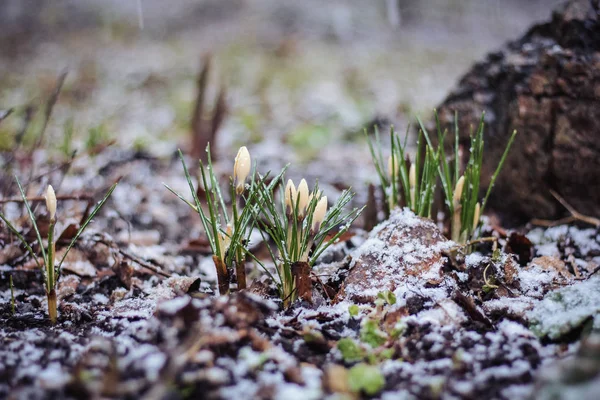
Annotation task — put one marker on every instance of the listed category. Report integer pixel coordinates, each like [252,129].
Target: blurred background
[296,77]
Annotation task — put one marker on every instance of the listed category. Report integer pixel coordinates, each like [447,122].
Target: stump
[546,85]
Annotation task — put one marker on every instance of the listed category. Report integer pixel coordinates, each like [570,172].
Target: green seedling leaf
[386,354]
[365,378]
[353,310]
[351,351]
[387,296]
[372,335]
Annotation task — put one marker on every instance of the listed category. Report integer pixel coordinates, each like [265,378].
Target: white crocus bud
[312,196]
[302,198]
[459,189]
[225,240]
[476,216]
[319,214]
[51,201]
[241,169]
[290,197]
[392,166]
[412,176]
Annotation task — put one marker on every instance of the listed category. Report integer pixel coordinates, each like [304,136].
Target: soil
[139,316]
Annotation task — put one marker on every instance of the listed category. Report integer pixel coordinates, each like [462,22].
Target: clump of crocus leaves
[297,221]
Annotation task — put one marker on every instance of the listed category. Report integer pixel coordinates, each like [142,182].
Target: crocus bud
[319,214]
[225,240]
[302,198]
[412,176]
[51,201]
[392,166]
[312,196]
[241,169]
[290,197]
[476,216]
[459,189]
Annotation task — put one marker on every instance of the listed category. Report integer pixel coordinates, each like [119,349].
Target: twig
[549,224]
[575,215]
[144,264]
[50,107]
[492,239]
[47,113]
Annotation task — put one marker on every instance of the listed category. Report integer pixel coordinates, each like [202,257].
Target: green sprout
[461,191]
[353,310]
[371,334]
[51,268]
[299,226]
[385,297]
[350,350]
[404,183]
[227,235]
[366,378]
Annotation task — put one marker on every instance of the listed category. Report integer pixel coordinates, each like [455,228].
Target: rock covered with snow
[401,249]
[567,308]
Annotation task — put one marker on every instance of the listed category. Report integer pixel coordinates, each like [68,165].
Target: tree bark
[546,85]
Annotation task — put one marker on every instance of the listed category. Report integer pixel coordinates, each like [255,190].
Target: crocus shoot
[50,267]
[227,227]
[300,226]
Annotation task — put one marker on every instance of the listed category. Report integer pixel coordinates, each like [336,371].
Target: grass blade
[498,168]
[87,221]
[32,218]
[21,239]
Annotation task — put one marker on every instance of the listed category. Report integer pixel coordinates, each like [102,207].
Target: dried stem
[574,213]
[222,275]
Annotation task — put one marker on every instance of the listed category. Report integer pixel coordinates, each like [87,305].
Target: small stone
[404,247]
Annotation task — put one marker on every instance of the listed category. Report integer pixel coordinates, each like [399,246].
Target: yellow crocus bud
[319,214]
[290,197]
[241,169]
[459,189]
[302,198]
[476,216]
[51,201]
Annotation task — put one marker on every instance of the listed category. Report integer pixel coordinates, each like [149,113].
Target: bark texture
[546,85]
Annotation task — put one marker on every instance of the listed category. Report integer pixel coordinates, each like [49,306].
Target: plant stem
[50,273]
[52,306]
[301,275]
[222,275]
[240,269]
[456,223]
